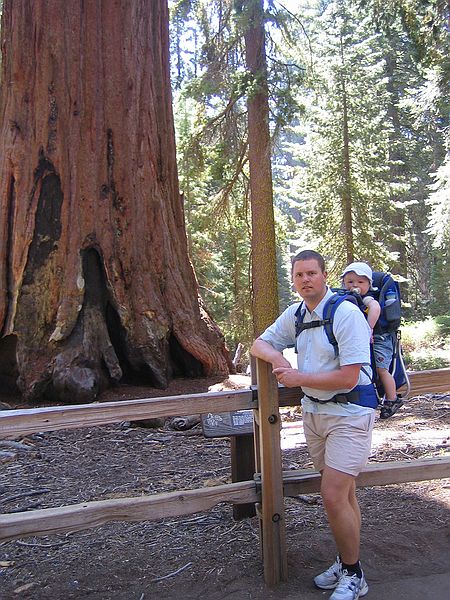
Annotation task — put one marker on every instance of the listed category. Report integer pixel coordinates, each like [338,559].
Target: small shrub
[425,363]
[423,334]
[443,323]
[426,344]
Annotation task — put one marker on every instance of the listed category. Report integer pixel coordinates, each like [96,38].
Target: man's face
[309,281]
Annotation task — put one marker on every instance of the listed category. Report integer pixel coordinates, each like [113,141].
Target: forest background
[359,121]
[335,115]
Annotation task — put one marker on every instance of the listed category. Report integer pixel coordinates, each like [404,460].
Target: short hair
[309,255]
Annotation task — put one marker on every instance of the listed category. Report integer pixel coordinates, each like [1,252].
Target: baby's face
[355,282]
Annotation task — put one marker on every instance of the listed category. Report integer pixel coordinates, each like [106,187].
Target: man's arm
[345,377]
[263,350]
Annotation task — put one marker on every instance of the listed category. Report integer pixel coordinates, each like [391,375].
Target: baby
[357,277]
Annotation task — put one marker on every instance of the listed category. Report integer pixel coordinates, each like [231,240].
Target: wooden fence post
[243,462]
[242,469]
[272,504]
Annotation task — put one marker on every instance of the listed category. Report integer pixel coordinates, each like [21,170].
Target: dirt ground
[405,538]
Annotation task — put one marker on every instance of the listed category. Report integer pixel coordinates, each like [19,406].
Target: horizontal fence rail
[374,474]
[87,515]
[32,420]
[15,423]
[436,381]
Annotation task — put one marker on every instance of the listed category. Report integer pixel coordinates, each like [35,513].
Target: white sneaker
[350,587]
[329,579]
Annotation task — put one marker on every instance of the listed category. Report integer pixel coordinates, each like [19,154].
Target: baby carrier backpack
[388,296]
[387,293]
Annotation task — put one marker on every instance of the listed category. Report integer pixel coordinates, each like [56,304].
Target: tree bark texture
[397,168]
[96,283]
[346,198]
[264,266]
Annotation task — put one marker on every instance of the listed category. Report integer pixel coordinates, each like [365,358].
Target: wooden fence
[267,490]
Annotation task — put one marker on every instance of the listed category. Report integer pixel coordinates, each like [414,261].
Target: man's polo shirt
[315,354]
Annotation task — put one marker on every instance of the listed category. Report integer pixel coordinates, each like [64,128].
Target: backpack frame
[390,324]
[387,294]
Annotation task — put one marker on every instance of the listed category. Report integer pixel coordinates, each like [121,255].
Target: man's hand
[288,376]
[281,362]
[345,377]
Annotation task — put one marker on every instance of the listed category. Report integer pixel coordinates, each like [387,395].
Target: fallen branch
[24,495]
[183,423]
[35,545]
[186,566]
[15,445]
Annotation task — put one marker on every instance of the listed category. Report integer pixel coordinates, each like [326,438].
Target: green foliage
[425,363]
[210,166]
[427,333]
[426,344]
[394,142]
[439,200]
[424,21]
[417,32]
[285,292]
[350,96]
[381,68]
[440,282]
[211,129]
[443,325]
[216,210]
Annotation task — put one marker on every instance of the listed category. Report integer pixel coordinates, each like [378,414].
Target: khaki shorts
[342,443]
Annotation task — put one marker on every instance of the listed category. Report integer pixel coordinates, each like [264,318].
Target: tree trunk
[96,282]
[264,265]
[397,171]
[347,187]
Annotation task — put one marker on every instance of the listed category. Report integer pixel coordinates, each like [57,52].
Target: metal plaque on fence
[238,422]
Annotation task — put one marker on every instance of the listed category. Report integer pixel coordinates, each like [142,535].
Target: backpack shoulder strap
[328,315]
[329,311]
[301,326]
[299,316]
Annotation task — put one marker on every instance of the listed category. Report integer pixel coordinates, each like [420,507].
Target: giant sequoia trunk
[96,284]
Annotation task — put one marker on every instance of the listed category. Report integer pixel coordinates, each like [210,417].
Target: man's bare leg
[354,502]
[339,498]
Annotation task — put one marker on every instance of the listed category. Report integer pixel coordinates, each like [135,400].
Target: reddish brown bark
[96,284]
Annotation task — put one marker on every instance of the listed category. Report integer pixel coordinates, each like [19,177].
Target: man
[337,425]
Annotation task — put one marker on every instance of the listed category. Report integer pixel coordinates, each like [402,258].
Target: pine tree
[346,151]
[216,145]
[417,46]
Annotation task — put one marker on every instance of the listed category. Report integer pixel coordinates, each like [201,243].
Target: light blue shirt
[315,354]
